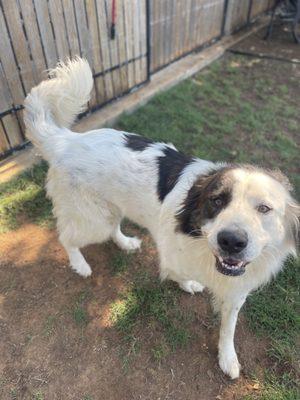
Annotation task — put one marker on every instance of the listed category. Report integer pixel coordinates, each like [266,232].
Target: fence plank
[47,37]
[73,38]
[129,39]
[84,40]
[96,49]
[105,51]
[10,123]
[136,41]
[19,42]
[4,143]
[12,127]
[143,39]
[113,48]
[33,37]
[9,65]
[58,22]
[121,37]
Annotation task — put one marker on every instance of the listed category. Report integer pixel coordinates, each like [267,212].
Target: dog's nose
[232,241]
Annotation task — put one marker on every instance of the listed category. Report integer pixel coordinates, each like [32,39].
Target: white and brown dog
[225,227]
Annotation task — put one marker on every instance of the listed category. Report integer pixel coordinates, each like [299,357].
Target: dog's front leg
[228,360]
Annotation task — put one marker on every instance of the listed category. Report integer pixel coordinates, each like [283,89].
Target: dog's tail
[55,103]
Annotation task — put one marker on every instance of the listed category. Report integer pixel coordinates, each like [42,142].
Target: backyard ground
[120,334]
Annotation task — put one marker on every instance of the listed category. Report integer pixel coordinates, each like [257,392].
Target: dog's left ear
[292,213]
[281,178]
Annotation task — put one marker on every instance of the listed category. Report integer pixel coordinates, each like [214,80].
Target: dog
[226,227]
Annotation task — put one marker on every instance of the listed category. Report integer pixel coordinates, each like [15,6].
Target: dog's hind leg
[77,261]
[125,242]
[74,236]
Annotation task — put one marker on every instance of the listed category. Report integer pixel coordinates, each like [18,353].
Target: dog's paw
[230,366]
[131,244]
[83,269]
[191,287]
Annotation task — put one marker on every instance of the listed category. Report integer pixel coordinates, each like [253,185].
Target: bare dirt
[281,43]
[42,349]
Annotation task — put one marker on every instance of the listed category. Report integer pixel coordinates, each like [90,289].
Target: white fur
[94,181]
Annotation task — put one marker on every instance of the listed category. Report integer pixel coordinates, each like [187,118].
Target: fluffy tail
[55,103]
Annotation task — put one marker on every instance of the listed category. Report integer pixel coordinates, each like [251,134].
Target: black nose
[232,241]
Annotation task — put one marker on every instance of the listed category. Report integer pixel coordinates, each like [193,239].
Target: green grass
[49,326]
[25,196]
[38,396]
[79,312]
[119,262]
[153,306]
[274,312]
[276,388]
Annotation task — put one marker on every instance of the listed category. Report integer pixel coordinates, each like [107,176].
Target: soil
[65,361]
[281,44]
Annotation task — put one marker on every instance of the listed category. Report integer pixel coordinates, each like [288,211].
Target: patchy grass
[274,312]
[25,196]
[151,305]
[120,262]
[79,312]
[49,326]
[38,396]
[275,388]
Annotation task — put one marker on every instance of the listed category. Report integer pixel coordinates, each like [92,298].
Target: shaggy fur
[225,227]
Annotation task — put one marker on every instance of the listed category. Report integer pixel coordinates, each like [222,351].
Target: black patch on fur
[136,142]
[170,166]
[210,194]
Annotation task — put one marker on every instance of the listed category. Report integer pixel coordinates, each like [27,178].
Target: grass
[38,396]
[152,306]
[25,196]
[235,110]
[119,262]
[274,388]
[79,313]
[49,326]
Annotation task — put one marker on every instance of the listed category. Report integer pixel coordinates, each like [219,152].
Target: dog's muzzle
[231,244]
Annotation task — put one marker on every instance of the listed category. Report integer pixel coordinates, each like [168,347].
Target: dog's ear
[292,216]
[281,178]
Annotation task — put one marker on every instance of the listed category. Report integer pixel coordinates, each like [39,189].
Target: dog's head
[244,213]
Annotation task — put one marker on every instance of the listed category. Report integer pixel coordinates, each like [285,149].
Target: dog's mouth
[230,266]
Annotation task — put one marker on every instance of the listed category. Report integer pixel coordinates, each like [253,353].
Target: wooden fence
[35,34]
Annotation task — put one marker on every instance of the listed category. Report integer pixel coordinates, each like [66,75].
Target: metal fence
[35,34]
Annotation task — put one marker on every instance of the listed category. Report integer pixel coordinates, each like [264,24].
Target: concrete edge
[160,81]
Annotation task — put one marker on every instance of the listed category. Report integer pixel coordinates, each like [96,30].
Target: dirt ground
[280,44]
[65,361]
[47,353]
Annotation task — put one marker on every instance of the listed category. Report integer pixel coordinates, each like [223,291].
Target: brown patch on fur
[200,203]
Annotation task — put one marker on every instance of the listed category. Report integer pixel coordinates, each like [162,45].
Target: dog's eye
[263,209]
[217,201]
